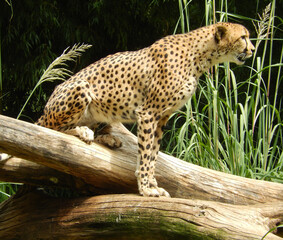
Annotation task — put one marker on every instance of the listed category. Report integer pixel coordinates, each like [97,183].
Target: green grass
[6,190]
[233,124]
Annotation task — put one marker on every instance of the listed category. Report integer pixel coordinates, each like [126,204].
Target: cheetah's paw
[83,132]
[154,192]
[87,135]
[109,141]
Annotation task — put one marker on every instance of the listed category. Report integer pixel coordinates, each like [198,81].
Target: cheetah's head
[233,42]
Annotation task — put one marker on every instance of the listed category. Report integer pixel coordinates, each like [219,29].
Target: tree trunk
[125,216]
[65,161]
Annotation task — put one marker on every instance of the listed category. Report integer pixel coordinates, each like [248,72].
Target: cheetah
[144,86]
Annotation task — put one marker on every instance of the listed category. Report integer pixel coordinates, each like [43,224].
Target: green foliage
[234,124]
[6,190]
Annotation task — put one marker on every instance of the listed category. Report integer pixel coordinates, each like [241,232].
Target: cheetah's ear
[220,33]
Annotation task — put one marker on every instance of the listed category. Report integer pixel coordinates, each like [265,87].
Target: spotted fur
[143,86]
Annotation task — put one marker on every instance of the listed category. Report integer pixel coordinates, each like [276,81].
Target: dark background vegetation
[34,33]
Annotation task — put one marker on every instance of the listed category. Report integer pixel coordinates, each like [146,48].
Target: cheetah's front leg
[156,145]
[148,130]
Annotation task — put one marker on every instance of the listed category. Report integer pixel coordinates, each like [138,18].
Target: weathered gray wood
[36,216]
[112,171]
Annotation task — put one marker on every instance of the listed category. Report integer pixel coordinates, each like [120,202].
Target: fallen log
[37,216]
[214,206]
[112,171]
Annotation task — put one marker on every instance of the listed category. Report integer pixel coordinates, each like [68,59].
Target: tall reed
[233,124]
[57,70]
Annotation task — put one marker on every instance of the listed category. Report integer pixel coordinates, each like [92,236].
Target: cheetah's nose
[251,46]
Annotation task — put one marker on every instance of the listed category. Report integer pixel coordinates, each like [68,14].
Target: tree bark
[62,160]
[112,171]
[124,216]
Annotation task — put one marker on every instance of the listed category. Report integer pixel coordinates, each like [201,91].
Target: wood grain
[125,216]
[112,171]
